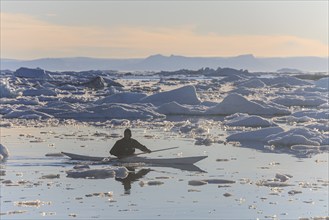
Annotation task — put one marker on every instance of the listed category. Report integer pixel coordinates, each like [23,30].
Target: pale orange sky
[28,34]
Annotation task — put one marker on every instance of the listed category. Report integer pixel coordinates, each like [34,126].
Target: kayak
[135,159]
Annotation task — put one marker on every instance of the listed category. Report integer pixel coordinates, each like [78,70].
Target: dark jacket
[126,147]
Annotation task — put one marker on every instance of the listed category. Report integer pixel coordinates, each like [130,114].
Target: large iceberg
[184,95]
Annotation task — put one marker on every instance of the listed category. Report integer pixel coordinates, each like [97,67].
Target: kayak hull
[135,159]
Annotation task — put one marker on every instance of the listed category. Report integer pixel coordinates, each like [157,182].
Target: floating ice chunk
[273,184]
[286,81]
[317,126]
[234,103]
[258,135]
[91,173]
[253,83]
[219,181]
[68,88]
[112,111]
[296,136]
[323,83]
[227,194]
[125,97]
[39,92]
[282,177]
[196,182]
[204,141]
[20,101]
[27,113]
[324,106]
[233,78]
[173,108]
[4,124]
[294,192]
[299,101]
[243,91]
[316,114]
[248,121]
[31,116]
[6,90]
[184,95]
[50,176]
[292,140]
[122,122]
[59,154]
[303,119]
[32,73]
[34,203]
[4,151]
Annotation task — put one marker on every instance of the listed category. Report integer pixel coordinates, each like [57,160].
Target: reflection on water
[132,176]
[240,181]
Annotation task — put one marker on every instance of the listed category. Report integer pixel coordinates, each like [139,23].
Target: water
[172,197]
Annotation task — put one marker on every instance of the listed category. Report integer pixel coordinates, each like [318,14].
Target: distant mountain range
[173,62]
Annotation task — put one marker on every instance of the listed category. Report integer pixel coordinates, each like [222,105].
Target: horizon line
[168,56]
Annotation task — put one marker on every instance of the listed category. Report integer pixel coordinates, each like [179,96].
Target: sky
[137,29]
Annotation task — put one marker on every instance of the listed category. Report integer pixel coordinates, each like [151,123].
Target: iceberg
[124,97]
[259,135]
[184,95]
[245,120]
[235,103]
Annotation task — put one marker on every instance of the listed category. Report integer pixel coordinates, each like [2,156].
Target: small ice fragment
[282,177]
[196,182]
[54,155]
[82,166]
[222,160]
[193,190]
[50,176]
[219,181]
[227,194]
[293,192]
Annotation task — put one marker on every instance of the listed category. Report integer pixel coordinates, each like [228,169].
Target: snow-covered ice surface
[266,137]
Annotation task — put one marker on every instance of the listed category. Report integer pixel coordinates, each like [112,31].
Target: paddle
[155,151]
[170,148]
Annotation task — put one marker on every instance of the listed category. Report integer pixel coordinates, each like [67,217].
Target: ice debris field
[275,110]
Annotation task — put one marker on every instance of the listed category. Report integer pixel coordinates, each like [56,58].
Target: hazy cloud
[24,36]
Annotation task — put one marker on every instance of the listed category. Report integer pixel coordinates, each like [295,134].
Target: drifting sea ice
[245,120]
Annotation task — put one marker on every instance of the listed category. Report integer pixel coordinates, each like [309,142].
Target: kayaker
[127,145]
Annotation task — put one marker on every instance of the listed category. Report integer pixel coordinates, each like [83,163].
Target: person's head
[127,133]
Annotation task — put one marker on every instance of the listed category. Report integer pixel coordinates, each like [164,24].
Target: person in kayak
[127,145]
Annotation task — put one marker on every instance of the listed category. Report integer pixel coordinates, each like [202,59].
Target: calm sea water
[28,192]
